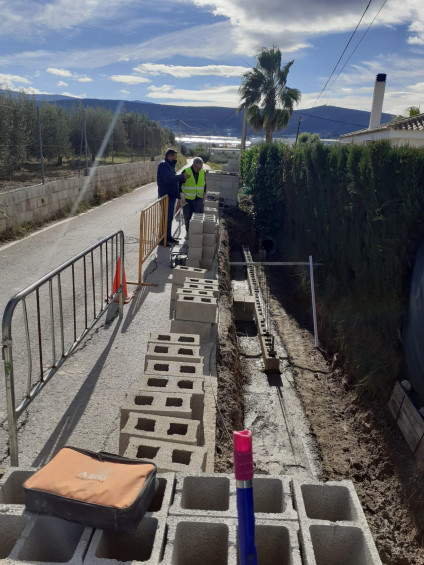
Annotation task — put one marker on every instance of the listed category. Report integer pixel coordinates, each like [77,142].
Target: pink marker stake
[243,470]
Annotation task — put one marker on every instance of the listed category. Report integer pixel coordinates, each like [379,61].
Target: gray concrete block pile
[226,184]
[193,519]
[203,238]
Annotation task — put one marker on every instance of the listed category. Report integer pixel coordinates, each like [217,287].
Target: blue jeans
[192,206]
[171,208]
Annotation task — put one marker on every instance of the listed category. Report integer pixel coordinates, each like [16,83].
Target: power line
[359,42]
[341,56]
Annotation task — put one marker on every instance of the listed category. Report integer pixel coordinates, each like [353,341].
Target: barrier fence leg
[314,312]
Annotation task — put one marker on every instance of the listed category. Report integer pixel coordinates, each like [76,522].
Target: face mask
[174,162]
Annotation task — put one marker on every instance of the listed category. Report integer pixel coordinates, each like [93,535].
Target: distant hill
[328,121]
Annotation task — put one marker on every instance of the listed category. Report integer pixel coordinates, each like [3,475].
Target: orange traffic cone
[117,280]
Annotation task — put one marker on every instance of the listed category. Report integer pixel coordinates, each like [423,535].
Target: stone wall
[43,202]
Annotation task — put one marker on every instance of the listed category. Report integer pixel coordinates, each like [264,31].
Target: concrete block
[49,539]
[163,428]
[195,227]
[212,542]
[243,307]
[195,263]
[11,485]
[195,240]
[12,523]
[177,405]
[194,253]
[215,495]
[212,211]
[168,456]
[167,352]
[210,225]
[194,280]
[180,272]
[208,252]
[144,545]
[174,369]
[206,263]
[183,291]
[177,338]
[178,385]
[197,309]
[175,288]
[207,331]
[212,196]
[172,384]
[210,239]
[213,289]
[332,525]
[212,203]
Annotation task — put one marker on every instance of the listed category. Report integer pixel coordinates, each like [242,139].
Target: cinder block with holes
[48,539]
[210,224]
[195,240]
[333,526]
[144,545]
[13,521]
[177,385]
[212,211]
[212,203]
[214,541]
[196,226]
[168,456]
[177,338]
[163,428]
[208,252]
[215,495]
[177,405]
[183,291]
[174,368]
[180,272]
[168,352]
[11,485]
[196,308]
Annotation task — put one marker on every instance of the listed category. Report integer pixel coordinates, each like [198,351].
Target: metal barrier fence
[153,222]
[72,311]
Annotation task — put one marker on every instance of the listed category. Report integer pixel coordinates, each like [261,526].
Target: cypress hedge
[360,211]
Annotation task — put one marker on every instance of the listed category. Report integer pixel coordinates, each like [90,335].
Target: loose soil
[357,437]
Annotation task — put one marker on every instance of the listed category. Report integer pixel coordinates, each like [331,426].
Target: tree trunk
[268,135]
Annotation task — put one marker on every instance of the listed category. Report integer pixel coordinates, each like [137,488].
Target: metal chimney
[377,101]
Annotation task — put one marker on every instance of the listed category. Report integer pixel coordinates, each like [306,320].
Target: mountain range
[328,121]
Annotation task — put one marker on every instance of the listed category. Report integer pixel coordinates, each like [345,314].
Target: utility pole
[86,148]
[243,133]
[298,128]
[40,141]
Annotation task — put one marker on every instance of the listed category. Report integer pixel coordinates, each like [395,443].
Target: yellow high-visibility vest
[190,188]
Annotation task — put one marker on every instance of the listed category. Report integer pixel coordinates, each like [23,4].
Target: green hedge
[360,211]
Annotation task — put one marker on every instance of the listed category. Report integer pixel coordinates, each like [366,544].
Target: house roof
[414,123]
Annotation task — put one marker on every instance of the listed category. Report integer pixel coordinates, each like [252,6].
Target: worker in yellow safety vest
[193,191]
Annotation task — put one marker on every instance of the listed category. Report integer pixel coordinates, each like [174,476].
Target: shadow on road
[70,419]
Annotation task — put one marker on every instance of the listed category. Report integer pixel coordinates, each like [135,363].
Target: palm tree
[265,96]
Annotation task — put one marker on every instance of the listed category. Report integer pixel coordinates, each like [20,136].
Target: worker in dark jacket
[169,183]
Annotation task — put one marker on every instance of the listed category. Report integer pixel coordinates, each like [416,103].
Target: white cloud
[209,96]
[59,72]
[61,83]
[8,80]
[74,95]
[125,92]
[180,71]
[83,79]
[129,79]
[26,19]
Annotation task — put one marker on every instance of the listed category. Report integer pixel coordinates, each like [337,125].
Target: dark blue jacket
[168,181]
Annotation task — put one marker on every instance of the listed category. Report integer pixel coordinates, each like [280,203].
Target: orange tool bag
[101,490]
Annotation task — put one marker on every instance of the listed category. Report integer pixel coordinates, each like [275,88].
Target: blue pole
[243,468]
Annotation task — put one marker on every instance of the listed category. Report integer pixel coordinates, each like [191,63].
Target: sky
[194,52]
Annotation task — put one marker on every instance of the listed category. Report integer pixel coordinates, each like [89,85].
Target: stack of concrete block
[232,166]
[196,307]
[193,519]
[226,184]
[163,420]
[181,272]
[203,240]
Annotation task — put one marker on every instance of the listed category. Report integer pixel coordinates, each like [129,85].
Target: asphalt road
[80,406]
